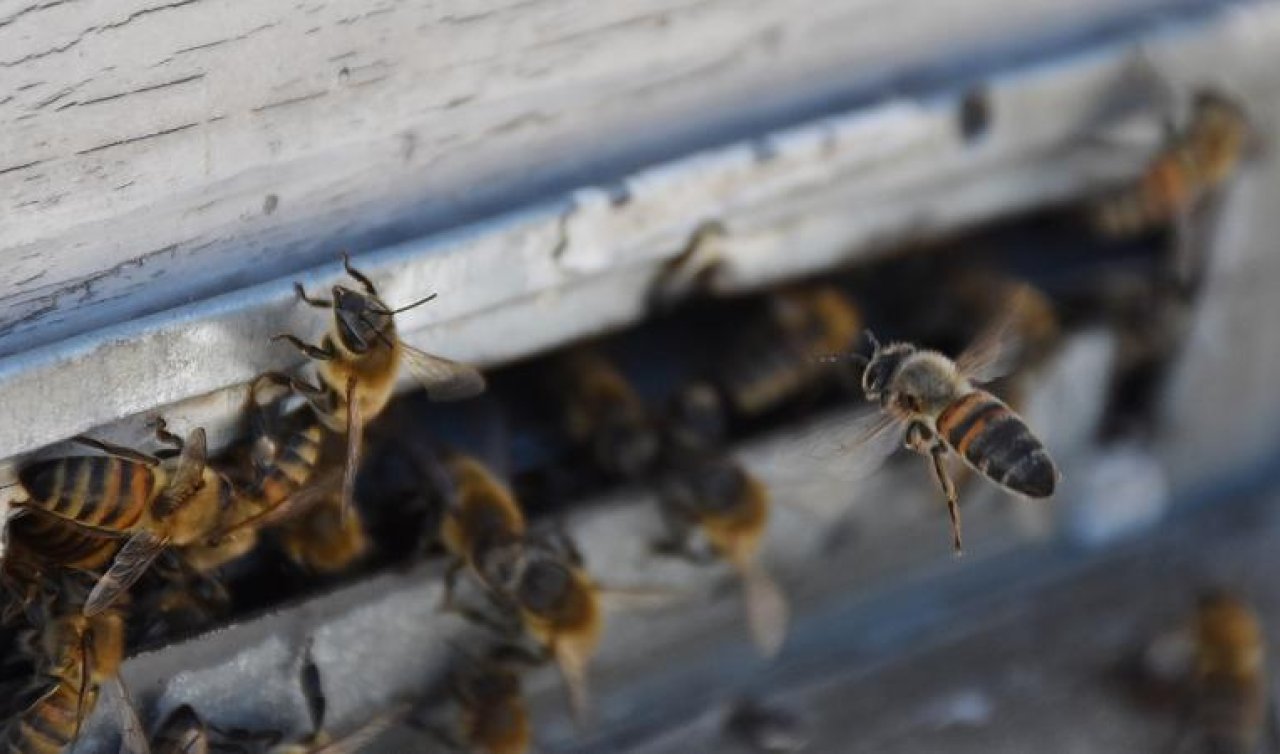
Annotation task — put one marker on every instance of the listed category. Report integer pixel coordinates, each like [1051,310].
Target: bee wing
[573,669]
[189,475]
[137,554]
[444,379]
[358,739]
[302,500]
[355,436]
[995,352]
[133,737]
[768,611]
[861,444]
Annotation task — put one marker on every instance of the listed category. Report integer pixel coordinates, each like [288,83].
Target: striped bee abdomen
[63,543]
[100,492]
[995,441]
[49,724]
[293,466]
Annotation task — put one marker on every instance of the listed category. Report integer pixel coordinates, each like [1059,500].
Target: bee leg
[563,542]
[119,451]
[165,436]
[358,275]
[939,457]
[318,303]
[312,351]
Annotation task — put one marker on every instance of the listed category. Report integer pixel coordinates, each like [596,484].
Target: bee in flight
[489,714]
[943,409]
[358,362]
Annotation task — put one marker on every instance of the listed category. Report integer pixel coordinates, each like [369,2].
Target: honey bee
[323,539]
[81,655]
[492,717]
[705,491]
[541,582]
[775,360]
[943,410]
[358,362]
[1194,165]
[41,546]
[182,732]
[153,504]
[605,414]
[1229,695]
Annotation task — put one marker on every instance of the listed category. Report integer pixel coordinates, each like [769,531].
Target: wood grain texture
[154,152]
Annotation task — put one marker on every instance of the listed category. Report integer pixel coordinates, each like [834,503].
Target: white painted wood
[153,152]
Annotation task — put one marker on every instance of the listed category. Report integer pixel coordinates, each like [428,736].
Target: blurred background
[661,229]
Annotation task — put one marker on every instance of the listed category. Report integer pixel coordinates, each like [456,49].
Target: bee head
[543,584]
[882,367]
[360,320]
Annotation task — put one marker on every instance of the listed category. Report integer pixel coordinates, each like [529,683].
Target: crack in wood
[291,101]
[139,90]
[94,30]
[23,166]
[31,9]
[134,139]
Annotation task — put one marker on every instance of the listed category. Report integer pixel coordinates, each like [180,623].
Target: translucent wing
[318,489]
[355,436]
[189,475]
[133,737]
[573,669]
[444,379]
[859,445]
[768,612]
[137,554]
[360,738]
[995,352]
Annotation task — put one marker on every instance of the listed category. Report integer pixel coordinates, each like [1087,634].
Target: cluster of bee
[92,526]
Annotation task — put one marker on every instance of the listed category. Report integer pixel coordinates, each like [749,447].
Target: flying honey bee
[1191,169]
[80,655]
[323,539]
[943,410]
[774,362]
[704,491]
[1230,699]
[154,504]
[358,362]
[605,414]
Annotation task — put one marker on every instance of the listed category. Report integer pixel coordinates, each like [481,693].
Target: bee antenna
[871,338]
[404,308]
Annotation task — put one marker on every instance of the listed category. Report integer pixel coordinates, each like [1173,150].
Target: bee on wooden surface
[539,582]
[1184,178]
[943,411]
[1229,696]
[604,413]
[774,361]
[706,493]
[80,656]
[491,716]
[153,504]
[359,360]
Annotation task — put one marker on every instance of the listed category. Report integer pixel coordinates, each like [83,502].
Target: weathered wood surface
[153,152]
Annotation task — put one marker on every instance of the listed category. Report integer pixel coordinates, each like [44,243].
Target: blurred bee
[774,361]
[154,504]
[1230,699]
[539,582]
[80,655]
[605,414]
[324,540]
[358,362]
[182,732]
[943,410]
[1191,169]
[705,491]
[491,716]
